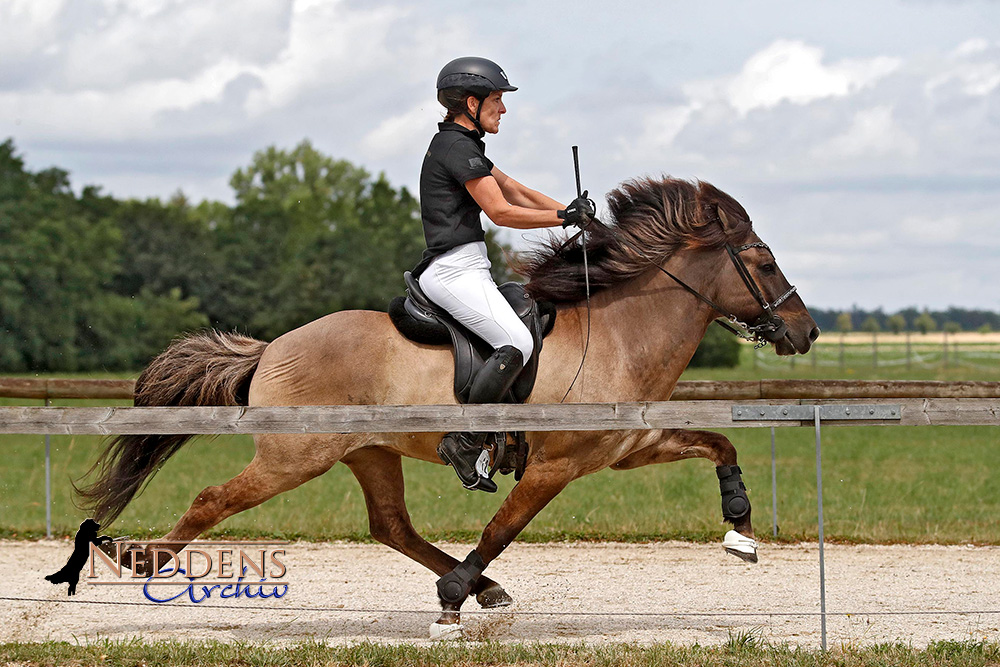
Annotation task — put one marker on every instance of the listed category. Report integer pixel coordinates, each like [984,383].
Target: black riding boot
[464,451]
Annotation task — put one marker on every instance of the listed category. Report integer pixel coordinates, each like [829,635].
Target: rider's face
[493,108]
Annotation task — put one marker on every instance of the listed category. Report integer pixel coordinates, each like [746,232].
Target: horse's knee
[722,449]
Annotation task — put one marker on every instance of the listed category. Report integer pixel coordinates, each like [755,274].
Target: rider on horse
[457,183]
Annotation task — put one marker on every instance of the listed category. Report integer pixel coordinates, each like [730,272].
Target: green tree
[719,348]
[844,323]
[871,325]
[952,327]
[56,259]
[924,322]
[896,323]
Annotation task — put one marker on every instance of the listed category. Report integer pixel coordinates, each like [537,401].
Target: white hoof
[740,546]
[445,631]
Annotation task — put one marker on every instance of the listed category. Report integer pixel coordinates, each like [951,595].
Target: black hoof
[748,557]
[494,596]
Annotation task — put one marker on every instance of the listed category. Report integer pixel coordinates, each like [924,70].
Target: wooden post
[874,349]
[944,335]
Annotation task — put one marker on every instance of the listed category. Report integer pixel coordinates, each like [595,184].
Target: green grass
[737,651]
[881,484]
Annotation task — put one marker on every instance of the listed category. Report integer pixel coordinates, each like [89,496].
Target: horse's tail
[206,368]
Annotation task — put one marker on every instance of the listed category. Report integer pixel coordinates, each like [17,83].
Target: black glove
[580,212]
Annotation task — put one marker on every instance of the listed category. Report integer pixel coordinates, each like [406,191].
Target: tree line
[951,320]
[91,282]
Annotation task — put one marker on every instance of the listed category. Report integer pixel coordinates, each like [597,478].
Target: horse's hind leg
[682,444]
[282,462]
[380,474]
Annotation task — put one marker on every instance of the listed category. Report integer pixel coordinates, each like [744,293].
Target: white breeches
[460,282]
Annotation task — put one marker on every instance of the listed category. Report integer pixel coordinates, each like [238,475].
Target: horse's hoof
[446,631]
[741,546]
[494,596]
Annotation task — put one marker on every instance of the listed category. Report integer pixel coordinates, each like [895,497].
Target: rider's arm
[488,194]
[520,195]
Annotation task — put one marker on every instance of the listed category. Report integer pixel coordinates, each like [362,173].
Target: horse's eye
[768,269]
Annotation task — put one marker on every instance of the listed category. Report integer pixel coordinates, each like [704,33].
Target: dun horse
[644,329]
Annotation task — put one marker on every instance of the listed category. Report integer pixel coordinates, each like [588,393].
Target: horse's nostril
[814,334]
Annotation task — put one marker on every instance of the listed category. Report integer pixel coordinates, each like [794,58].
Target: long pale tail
[206,368]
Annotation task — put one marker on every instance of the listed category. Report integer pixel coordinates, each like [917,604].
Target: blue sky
[862,137]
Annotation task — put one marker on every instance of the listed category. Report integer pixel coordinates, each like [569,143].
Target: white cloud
[791,71]
[397,135]
[872,133]
[931,231]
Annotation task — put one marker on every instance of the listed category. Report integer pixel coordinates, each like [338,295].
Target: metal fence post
[819,495]
[48,480]
[774,488]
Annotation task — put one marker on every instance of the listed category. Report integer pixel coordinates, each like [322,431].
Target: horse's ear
[727,222]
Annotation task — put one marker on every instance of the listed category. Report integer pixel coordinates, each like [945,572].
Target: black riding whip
[586,271]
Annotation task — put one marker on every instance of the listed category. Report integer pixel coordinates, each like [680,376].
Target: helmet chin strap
[475,120]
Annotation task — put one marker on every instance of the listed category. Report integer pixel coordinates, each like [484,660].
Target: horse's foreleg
[540,484]
[380,474]
[717,448]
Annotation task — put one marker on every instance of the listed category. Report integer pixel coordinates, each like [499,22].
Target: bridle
[769,327]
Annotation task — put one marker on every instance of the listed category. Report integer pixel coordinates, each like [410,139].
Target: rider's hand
[580,212]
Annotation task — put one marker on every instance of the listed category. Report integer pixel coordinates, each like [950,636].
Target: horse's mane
[658,216]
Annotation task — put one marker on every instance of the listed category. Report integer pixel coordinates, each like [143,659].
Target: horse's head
[748,283]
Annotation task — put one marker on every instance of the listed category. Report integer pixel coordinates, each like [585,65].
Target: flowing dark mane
[659,216]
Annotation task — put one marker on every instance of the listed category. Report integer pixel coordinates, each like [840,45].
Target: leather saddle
[420,320]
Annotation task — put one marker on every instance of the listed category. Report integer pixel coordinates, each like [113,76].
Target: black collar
[451,126]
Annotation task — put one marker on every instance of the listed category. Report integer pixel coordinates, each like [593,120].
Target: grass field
[743,649]
[881,484]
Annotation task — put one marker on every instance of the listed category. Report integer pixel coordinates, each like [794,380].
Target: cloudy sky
[863,136]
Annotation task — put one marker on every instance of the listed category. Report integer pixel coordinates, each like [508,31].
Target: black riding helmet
[477,76]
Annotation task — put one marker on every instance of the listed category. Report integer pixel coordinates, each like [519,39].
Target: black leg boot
[464,451]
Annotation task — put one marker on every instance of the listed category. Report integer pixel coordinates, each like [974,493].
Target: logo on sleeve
[475,162]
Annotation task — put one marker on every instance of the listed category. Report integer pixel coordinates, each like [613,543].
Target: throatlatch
[456,585]
[735,503]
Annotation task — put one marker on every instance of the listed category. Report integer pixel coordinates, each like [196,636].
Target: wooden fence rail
[442,418]
[742,390]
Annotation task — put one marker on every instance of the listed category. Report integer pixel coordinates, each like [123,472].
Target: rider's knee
[521,339]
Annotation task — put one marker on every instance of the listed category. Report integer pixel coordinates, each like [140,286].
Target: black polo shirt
[449,213]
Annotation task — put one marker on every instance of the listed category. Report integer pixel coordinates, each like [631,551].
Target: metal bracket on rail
[839,412]
[816,414]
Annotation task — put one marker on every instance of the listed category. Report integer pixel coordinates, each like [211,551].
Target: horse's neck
[643,334]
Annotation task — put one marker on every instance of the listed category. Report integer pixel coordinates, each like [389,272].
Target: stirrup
[471,462]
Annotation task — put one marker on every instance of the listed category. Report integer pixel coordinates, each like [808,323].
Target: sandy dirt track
[563,578]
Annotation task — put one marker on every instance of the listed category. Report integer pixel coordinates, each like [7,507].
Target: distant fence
[694,390]
[884,350]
